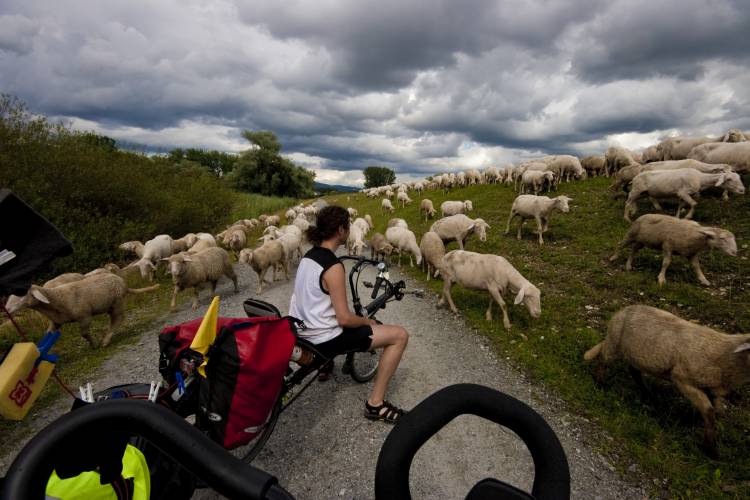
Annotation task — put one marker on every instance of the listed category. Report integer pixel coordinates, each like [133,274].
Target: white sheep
[493,273]
[352,212]
[458,228]
[699,361]
[539,208]
[565,166]
[594,165]
[154,250]
[455,207]
[683,184]
[290,215]
[379,247]
[369,220]
[397,222]
[403,198]
[433,250]
[355,242]
[617,157]
[135,247]
[198,270]
[675,236]
[535,180]
[473,177]
[426,208]
[291,239]
[386,206]
[404,240]
[735,154]
[79,301]
[362,224]
[273,220]
[269,255]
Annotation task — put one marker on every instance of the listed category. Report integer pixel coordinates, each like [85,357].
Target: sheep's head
[721,239]
[480,229]
[734,135]
[731,182]
[562,203]
[15,303]
[531,298]
[190,239]
[145,266]
[33,298]
[129,246]
[177,264]
[468,205]
[386,249]
[246,256]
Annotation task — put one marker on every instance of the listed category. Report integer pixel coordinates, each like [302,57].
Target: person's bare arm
[335,283]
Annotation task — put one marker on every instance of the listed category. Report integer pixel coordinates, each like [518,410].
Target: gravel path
[324,448]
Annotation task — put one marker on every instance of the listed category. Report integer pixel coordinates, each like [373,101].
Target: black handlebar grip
[378,282]
[552,475]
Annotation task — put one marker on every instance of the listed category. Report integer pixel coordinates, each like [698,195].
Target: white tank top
[310,302]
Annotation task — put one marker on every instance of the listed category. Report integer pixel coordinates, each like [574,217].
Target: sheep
[419,187]
[269,255]
[695,358]
[616,158]
[386,206]
[426,208]
[352,212]
[404,240]
[389,194]
[197,270]
[135,247]
[672,235]
[291,239]
[63,279]
[493,273]
[623,177]
[182,244]
[155,249]
[273,220]
[735,154]
[355,242]
[534,179]
[403,198]
[678,148]
[651,154]
[681,183]
[540,208]
[473,177]
[290,215]
[565,166]
[369,220]
[593,165]
[455,207]
[78,301]
[492,175]
[706,168]
[734,135]
[262,219]
[237,240]
[458,228]
[433,250]
[396,222]
[379,246]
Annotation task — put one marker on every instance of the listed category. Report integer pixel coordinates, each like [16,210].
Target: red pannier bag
[244,373]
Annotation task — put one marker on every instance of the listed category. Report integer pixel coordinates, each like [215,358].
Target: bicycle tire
[363,366]
[248,452]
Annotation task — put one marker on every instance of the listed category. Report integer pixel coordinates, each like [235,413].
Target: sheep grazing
[369,220]
[154,250]
[682,184]
[396,222]
[403,198]
[455,207]
[262,219]
[290,215]
[651,154]
[182,244]
[677,148]
[362,224]
[379,247]
[735,154]
[458,228]
[473,177]
[355,242]
[198,270]
[616,158]
[269,255]
[404,240]
[540,208]
[672,235]
[273,220]
[352,212]
[386,206]
[79,301]
[433,250]
[623,178]
[135,247]
[426,209]
[593,165]
[565,166]
[536,180]
[493,273]
[695,358]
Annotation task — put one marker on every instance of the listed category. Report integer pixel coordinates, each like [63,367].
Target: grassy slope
[77,360]
[580,292]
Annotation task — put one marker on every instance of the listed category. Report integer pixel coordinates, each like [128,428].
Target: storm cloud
[421,86]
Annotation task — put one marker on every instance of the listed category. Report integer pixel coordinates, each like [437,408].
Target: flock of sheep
[695,358]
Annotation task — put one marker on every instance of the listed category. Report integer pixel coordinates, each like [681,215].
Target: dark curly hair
[329,220]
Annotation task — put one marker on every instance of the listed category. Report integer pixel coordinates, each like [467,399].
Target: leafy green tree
[218,162]
[379,176]
[261,169]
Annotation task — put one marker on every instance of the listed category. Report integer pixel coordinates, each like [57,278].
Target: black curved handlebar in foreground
[552,475]
[88,427]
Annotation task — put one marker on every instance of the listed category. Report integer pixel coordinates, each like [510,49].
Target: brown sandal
[385,412]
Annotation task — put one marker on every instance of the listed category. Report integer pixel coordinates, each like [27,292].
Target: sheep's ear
[708,232]
[38,295]
[186,258]
[164,259]
[743,347]
[519,297]
[721,180]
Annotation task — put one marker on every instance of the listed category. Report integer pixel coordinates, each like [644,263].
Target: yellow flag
[206,333]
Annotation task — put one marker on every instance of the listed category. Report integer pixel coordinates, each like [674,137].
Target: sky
[419,86]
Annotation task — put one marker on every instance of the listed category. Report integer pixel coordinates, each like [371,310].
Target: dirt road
[324,448]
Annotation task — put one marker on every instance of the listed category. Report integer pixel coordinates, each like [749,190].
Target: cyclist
[319,299]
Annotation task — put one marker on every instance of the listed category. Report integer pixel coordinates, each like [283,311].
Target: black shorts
[356,339]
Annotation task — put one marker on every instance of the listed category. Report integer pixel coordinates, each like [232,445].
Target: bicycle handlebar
[185,444]
[552,475]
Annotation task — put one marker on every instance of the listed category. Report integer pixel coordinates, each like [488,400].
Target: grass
[77,362]
[580,292]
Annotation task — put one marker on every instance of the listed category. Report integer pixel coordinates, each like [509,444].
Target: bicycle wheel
[364,365]
[248,452]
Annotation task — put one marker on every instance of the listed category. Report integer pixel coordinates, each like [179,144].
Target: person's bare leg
[393,339]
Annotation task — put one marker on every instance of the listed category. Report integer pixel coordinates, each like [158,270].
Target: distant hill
[320,187]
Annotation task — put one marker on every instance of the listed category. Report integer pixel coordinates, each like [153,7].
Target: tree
[218,162]
[379,176]
[261,169]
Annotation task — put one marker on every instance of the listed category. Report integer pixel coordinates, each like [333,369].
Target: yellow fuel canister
[21,381]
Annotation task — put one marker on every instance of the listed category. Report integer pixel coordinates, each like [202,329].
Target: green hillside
[580,292]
